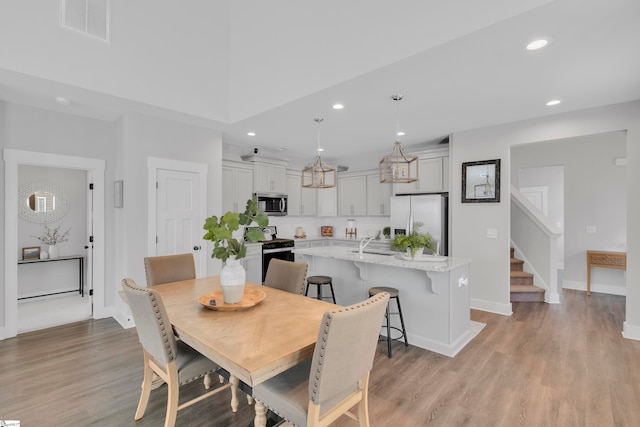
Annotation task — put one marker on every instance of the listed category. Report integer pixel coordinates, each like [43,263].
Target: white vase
[53,251]
[232,279]
[418,252]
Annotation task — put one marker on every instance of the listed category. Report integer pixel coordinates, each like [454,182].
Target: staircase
[522,288]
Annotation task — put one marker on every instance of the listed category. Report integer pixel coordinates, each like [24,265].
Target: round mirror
[42,202]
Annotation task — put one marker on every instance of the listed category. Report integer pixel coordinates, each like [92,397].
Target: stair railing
[536,239]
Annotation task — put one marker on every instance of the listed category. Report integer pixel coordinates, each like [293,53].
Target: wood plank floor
[547,365]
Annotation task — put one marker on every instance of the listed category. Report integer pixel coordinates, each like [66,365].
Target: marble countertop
[394,260]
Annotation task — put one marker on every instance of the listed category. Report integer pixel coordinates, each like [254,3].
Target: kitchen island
[434,295]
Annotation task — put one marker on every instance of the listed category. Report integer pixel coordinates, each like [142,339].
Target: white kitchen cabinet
[378,196]
[252,263]
[327,202]
[269,178]
[433,174]
[352,195]
[300,244]
[237,186]
[302,201]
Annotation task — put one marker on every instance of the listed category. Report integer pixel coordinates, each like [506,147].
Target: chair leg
[207,382]
[306,290]
[173,388]
[249,399]
[388,317]
[404,331]
[363,405]
[261,414]
[319,294]
[333,295]
[146,389]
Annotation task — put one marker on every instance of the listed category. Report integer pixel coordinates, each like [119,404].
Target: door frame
[95,168]
[155,163]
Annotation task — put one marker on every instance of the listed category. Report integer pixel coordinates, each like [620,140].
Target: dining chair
[320,390]
[169,268]
[172,360]
[286,275]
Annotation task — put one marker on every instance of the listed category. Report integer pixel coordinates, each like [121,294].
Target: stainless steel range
[273,247]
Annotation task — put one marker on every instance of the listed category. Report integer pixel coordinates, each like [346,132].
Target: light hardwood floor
[547,365]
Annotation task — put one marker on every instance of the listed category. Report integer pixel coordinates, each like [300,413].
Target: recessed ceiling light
[251,133]
[63,101]
[320,149]
[400,133]
[338,106]
[538,44]
[282,149]
[553,102]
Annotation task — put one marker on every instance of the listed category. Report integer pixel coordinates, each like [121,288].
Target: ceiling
[459,68]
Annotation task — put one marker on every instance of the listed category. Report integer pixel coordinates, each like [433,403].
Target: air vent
[90,17]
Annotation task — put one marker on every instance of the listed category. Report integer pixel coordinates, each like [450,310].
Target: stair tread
[516,261]
[526,288]
[520,274]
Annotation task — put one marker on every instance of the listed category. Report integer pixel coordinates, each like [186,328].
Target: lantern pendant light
[319,175]
[398,167]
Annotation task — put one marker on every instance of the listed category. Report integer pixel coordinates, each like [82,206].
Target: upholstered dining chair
[172,360]
[317,392]
[169,268]
[286,275]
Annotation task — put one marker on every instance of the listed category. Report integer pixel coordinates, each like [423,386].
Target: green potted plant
[414,242]
[386,231]
[230,250]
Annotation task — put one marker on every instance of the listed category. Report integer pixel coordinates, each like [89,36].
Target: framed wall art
[32,252]
[481,181]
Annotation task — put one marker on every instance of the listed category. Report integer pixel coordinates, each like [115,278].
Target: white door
[538,196]
[179,223]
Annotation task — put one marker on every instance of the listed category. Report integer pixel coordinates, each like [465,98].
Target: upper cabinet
[269,177]
[237,186]
[378,196]
[327,201]
[352,195]
[302,201]
[433,174]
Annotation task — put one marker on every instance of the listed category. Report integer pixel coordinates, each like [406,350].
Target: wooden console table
[604,259]
[80,259]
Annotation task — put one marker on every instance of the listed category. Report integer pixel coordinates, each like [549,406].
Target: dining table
[252,343]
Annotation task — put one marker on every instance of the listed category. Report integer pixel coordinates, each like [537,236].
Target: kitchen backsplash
[311,225]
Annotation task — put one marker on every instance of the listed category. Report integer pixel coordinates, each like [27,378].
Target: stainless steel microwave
[273,204]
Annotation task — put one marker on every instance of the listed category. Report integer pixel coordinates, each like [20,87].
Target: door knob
[197,248]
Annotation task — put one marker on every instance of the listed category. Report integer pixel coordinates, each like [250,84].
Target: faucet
[363,244]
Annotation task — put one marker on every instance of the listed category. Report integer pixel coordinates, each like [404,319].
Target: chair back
[345,348]
[152,322]
[169,268]
[286,275]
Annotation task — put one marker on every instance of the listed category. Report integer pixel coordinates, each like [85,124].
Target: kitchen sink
[375,252]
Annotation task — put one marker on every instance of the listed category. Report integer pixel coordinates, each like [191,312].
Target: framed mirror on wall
[42,202]
[481,181]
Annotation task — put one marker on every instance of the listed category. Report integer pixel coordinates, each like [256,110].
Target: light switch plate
[591,229]
[492,233]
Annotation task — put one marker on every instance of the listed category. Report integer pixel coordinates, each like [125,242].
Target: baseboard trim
[124,320]
[492,307]
[550,298]
[595,287]
[630,332]
[2,336]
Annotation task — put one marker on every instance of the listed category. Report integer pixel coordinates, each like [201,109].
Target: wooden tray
[250,298]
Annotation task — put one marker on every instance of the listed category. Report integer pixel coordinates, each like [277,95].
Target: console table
[80,259]
[604,259]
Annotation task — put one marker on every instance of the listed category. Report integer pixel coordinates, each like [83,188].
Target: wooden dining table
[253,344]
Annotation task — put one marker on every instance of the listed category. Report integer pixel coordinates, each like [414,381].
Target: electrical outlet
[591,229]
[492,233]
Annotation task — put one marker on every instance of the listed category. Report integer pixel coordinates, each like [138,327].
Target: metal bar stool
[319,281]
[393,293]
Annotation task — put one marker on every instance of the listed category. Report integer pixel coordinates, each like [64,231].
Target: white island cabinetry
[434,295]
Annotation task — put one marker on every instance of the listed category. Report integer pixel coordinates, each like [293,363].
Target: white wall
[489,259]
[595,195]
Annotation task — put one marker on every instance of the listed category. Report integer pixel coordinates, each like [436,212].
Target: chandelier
[319,175]
[398,167]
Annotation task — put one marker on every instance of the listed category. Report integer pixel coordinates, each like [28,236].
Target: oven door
[280,253]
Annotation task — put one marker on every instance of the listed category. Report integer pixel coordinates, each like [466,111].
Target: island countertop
[392,259]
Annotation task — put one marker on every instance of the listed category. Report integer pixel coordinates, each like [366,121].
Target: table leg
[234,381]
[261,414]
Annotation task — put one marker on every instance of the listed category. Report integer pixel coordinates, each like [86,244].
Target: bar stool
[393,293]
[319,281]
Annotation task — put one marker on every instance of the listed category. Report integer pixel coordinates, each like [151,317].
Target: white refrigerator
[429,209]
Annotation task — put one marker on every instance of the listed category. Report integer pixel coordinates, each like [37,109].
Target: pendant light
[397,167]
[319,175]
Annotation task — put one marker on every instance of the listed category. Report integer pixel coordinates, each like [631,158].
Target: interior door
[179,225]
